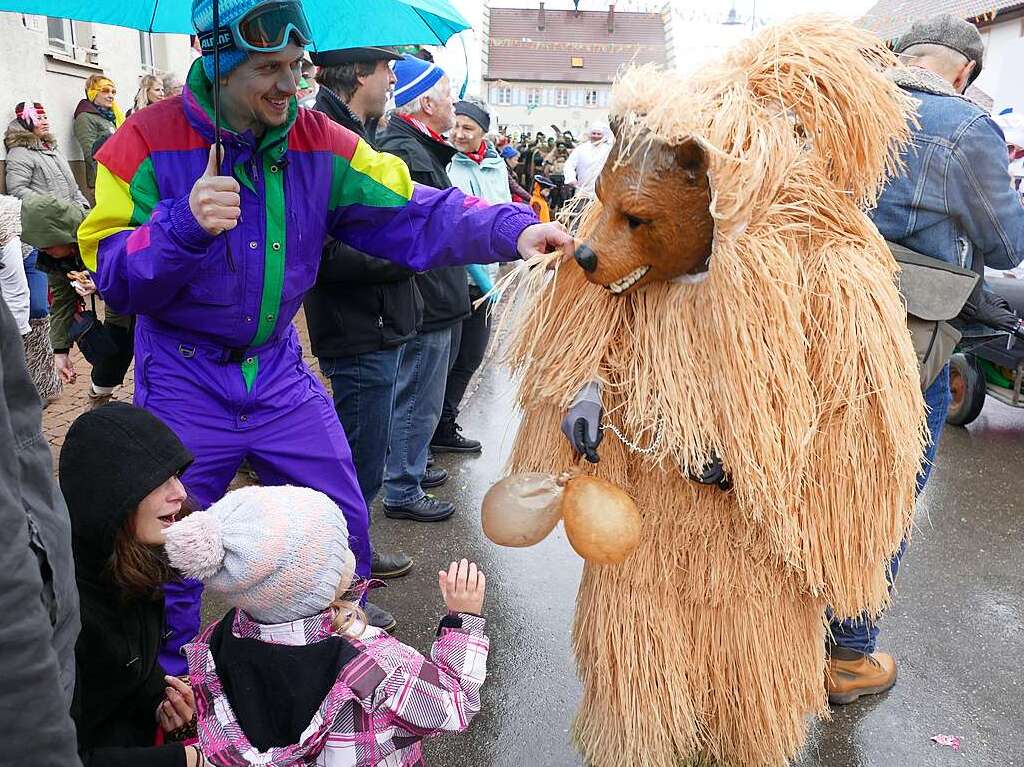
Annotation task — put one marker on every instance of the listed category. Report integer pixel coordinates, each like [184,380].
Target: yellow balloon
[522,509]
[601,520]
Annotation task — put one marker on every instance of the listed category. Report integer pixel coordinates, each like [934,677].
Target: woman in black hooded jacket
[119,469]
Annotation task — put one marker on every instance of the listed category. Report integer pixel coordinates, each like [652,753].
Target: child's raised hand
[462,587]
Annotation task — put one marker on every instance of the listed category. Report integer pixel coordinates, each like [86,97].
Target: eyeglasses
[108,91]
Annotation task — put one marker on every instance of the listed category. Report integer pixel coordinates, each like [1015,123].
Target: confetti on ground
[953,741]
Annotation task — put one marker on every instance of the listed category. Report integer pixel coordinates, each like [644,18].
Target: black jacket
[360,303]
[119,679]
[445,291]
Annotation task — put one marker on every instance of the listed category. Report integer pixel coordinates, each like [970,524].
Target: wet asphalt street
[956,627]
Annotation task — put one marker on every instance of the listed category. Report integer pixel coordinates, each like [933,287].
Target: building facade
[526,107]
[544,68]
[48,60]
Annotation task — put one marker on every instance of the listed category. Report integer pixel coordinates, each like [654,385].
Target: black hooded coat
[112,458]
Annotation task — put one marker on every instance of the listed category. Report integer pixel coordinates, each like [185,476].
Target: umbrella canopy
[334,23]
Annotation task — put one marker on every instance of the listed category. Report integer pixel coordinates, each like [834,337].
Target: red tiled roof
[889,18]
[518,50]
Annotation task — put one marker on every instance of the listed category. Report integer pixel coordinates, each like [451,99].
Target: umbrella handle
[465,55]
[216,83]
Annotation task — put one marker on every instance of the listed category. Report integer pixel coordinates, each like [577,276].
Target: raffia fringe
[792,361]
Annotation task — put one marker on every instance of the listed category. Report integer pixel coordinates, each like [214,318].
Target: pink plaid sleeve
[425,697]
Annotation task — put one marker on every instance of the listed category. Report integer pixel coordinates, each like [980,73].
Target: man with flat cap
[954,193]
[362,309]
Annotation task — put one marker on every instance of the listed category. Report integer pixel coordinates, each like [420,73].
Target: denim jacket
[955,184]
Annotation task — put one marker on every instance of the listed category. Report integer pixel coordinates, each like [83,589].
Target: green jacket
[487,180]
[47,221]
[90,126]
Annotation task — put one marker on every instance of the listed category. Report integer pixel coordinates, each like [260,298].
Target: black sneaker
[448,439]
[434,478]
[426,509]
[389,565]
[378,617]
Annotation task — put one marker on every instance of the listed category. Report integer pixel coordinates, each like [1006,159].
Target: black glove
[582,427]
[713,474]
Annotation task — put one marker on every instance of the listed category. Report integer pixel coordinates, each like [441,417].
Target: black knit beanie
[112,458]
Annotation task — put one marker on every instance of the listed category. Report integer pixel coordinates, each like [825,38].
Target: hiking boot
[851,674]
[98,400]
[389,565]
[426,509]
[434,478]
[448,439]
[379,617]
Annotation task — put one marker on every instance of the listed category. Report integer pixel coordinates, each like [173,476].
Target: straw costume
[790,360]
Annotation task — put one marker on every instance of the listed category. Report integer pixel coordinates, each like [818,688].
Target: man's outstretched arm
[378,209]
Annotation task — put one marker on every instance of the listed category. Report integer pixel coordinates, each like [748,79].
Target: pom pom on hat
[195,547]
[414,77]
[283,551]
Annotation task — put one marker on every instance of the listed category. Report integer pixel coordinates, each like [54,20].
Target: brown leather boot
[851,674]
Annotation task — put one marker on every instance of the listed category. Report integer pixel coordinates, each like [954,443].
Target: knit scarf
[423,128]
[479,154]
[106,112]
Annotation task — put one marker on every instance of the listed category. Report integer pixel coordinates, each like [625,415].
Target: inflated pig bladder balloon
[522,509]
[601,520]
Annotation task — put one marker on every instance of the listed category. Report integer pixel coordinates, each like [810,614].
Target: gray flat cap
[950,32]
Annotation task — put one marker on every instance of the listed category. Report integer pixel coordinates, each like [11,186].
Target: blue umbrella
[335,23]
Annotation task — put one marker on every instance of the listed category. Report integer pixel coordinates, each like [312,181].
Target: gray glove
[582,424]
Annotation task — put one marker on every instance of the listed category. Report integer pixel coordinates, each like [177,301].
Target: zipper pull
[380,321]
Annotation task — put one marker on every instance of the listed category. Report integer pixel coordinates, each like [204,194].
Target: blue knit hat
[414,77]
[230,11]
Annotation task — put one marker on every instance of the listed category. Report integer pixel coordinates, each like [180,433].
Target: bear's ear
[691,159]
[615,123]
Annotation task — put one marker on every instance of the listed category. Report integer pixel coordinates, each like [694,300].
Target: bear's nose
[586,258]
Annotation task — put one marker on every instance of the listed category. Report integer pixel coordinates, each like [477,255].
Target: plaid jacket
[381,706]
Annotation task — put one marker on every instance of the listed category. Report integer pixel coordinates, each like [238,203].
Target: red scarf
[478,155]
[423,128]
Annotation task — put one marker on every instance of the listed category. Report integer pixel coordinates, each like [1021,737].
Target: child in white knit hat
[292,674]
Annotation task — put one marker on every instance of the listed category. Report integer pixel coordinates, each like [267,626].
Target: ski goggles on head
[267,28]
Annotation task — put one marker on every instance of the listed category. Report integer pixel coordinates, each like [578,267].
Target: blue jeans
[363,386]
[38,288]
[419,395]
[861,634]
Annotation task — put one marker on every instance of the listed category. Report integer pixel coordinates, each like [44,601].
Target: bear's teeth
[629,280]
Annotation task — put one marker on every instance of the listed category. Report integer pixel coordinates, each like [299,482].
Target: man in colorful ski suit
[215,259]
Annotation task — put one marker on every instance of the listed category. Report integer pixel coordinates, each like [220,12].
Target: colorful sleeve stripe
[361,175]
[370,178]
[120,206]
